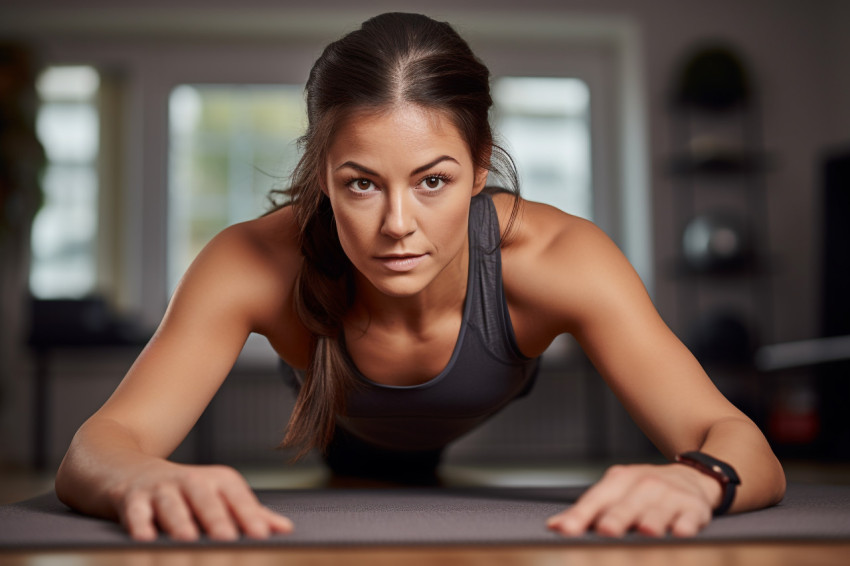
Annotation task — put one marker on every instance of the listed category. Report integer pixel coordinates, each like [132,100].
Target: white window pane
[68,83]
[67,277]
[229,145]
[184,108]
[544,123]
[542,95]
[66,225]
[64,232]
[69,131]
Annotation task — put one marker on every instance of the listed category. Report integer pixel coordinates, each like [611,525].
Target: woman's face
[400,184]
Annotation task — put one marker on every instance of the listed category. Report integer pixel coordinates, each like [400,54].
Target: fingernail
[574,528]
[146,535]
[224,533]
[258,529]
[565,526]
[183,533]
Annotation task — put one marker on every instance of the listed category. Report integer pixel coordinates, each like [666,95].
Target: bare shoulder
[267,246]
[540,225]
[249,269]
[544,237]
[255,252]
[557,270]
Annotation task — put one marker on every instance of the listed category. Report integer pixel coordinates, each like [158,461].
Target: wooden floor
[757,554]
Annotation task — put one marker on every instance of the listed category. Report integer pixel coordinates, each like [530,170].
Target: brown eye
[361,185]
[434,182]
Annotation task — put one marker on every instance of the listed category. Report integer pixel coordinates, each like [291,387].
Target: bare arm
[116,465]
[578,281]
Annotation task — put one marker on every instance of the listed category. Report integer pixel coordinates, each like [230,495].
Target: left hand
[653,499]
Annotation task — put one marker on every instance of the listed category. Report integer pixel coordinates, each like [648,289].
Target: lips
[401,262]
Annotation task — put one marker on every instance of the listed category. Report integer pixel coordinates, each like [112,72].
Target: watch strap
[719,470]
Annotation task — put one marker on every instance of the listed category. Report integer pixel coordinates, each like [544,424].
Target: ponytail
[324,291]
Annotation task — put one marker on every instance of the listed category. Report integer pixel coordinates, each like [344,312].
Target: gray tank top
[485,373]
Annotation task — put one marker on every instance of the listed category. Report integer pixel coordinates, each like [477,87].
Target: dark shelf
[749,267]
[720,165]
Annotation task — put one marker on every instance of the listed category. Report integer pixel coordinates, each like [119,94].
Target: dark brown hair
[393,58]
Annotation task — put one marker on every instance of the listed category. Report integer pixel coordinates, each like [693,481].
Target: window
[230,145]
[545,125]
[64,232]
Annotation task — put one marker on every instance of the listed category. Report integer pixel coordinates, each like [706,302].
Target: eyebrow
[423,168]
[433,163]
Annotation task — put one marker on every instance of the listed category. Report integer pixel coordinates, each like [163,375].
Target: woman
[415,304]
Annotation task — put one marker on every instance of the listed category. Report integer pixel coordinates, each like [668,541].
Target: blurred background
[710,140]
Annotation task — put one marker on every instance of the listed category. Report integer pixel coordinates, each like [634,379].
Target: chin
[400,290]
[398,286]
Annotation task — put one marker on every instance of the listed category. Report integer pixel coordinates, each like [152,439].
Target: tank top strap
[489,311]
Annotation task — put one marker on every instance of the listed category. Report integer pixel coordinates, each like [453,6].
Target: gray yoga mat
[432,516]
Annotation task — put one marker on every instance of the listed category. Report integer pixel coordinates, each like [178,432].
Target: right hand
[185,500]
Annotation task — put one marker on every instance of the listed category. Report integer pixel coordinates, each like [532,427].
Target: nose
[399,218]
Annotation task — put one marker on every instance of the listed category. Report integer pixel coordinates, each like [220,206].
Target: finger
[648,497]
[211,510]
[255,520]
[615,521]
[137,516]
[279,523]
[655,522]
[247,510]
[173,514]
[577,519]
[570,522]
[689,523]
[583,514]
[276,522]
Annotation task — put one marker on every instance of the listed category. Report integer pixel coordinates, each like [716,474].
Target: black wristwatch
[721,471]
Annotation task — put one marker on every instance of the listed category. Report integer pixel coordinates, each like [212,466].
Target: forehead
[401,130]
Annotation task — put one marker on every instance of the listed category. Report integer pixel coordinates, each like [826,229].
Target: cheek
[451,227]
[353,231]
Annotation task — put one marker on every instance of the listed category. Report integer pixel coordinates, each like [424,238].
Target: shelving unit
[723,267]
